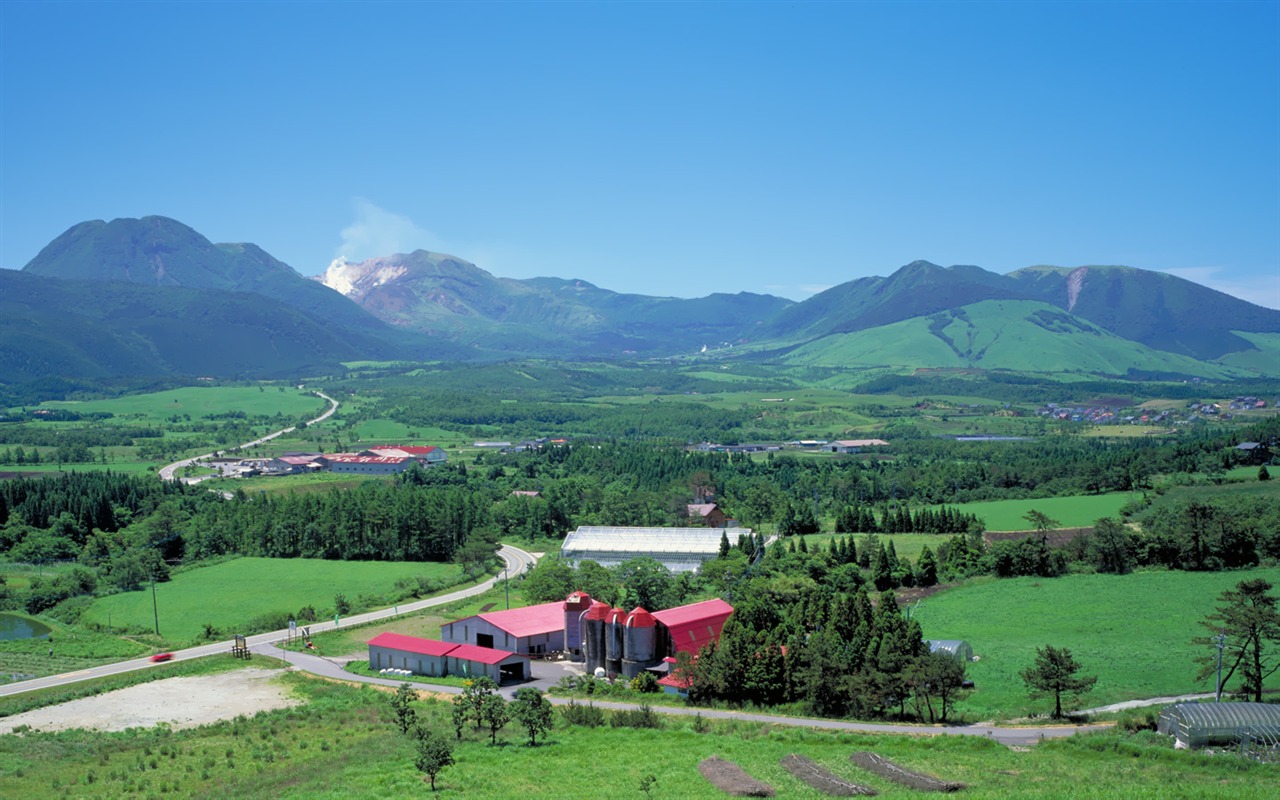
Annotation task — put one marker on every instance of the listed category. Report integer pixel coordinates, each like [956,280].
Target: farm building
[613,639]
[678,549]
[436,658]
[532,629]
[386,459]
[956,648]
[854,445]
[1203,724]
[708,514]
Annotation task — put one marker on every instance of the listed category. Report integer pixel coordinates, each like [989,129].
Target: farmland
[231,595]
[343,741]
[1070,512]
[1133,631]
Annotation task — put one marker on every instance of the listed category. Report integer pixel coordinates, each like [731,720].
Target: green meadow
[198,401]
[343,742]
[1071,512]
[232,594]
[1133,631]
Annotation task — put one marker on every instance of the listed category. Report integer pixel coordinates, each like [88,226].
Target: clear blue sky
[660,148]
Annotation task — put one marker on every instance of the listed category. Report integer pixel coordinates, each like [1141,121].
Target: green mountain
[103,329]
[1157,309]
[446,296]
[1020,335]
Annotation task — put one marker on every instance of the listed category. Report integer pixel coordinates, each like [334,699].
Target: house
[854,445]
[295,464]
[1253,453]
[437,658]
[708,513]
[525,493]
[533,629]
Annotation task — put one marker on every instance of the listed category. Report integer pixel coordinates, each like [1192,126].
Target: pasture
[1133,631]
[342,742]
[231,595]
[1078,511]
[198,401]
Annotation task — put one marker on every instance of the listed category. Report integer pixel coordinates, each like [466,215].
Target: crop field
[1133,631]
[157,407]
[343,742]
[1070,512]
[231,594]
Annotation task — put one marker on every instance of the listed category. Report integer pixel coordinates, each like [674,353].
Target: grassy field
[343,743]
[1071,512]
[1133,631]
[906,545]
[232,594]
[157,407]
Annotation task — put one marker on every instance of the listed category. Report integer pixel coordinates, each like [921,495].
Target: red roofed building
[708,514]
[532,629]
[690,627]
[433,657]
[424,454]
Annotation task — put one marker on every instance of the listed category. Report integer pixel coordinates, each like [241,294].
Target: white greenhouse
[678,549]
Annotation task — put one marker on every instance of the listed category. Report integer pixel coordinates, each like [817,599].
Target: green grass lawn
[342,742]
[906,545]
[1133,631]
[1070,512]
[232,594]
[198,401]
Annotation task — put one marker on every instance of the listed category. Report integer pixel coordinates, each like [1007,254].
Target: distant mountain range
[153,297]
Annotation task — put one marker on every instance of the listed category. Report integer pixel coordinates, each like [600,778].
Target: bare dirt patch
[729,777]
[916,780]
[179,702]
[823,779]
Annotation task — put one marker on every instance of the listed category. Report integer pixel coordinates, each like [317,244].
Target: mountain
[446,296]
[107,329]
[1155,308]
[164,254]
[1020,335]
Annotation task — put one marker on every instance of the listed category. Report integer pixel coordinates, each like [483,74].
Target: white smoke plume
[378,232]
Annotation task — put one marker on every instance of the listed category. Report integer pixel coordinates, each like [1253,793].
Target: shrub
[587,715]
[642,717]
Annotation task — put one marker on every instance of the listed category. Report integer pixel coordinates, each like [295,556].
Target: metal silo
[614,633]
[593,635]
[639,645]
[575,605]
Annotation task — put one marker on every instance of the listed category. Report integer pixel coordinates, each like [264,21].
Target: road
[169,471]
[517,561]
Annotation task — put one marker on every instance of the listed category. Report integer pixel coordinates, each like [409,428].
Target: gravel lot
[181,702]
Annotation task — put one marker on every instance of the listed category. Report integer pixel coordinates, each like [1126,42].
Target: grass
[343,742]
[1071,512]
[198,401]
[230,595]
[1133,631]
[905,545]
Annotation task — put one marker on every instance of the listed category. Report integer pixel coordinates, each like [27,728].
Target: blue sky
[660,148]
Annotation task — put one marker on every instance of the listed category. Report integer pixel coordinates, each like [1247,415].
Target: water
[15,627]
[993,438]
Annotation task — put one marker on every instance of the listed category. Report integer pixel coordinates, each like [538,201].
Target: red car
[158,657]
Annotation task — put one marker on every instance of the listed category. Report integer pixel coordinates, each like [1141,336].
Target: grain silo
[615,632]
[593,636]
[575,606]
[639,645]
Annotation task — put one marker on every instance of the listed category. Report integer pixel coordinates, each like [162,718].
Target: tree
[475,695]
[1248,617]
[1263,473]
[402,705]
[1110,547]
[1041,521]
[494,713]
[1054,673]
[534,713]
[935,676]
[434,754]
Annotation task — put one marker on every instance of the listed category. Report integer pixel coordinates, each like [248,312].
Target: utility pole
[1221,639]
[155,609]
[506,582]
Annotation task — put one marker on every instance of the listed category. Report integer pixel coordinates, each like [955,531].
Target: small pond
[15,627]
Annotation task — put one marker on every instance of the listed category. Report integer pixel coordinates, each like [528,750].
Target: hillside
[446,296]
[102,329]
[1154,308]
[998,334]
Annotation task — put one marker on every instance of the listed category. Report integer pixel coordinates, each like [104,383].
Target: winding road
[169,471]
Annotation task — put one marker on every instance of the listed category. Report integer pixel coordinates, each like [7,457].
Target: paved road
[517,561]
[169,471]
[1012,737]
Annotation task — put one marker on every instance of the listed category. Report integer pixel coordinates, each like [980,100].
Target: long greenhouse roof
[1217,715]
[649,540]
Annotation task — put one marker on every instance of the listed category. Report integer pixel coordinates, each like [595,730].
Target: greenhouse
[678,549]
[1201,724]
[956,648]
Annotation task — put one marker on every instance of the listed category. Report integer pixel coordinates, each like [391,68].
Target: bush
[644,683]
[1139,719]
[587,716]
[642,717]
